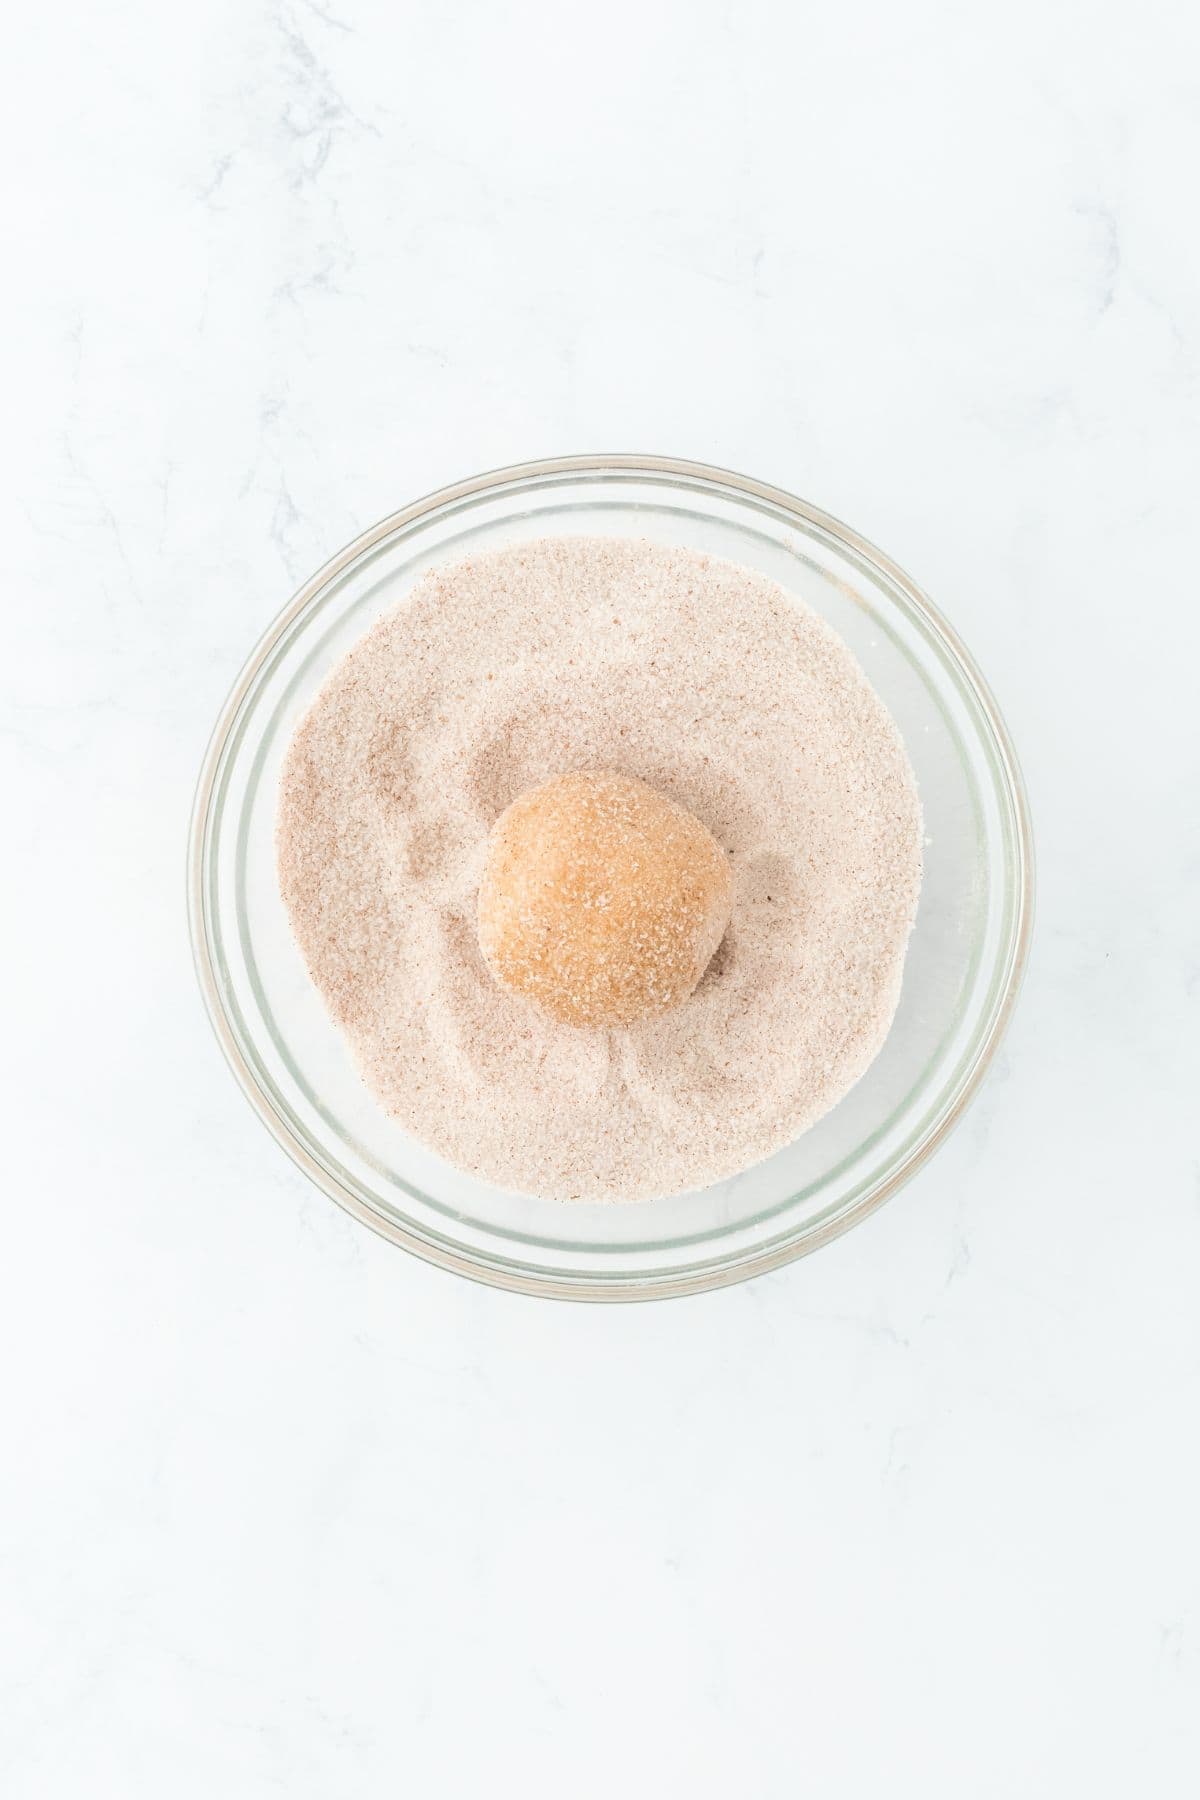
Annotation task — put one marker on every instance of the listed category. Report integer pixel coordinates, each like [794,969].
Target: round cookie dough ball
[602,900]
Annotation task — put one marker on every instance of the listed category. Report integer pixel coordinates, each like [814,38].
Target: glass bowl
[965,959]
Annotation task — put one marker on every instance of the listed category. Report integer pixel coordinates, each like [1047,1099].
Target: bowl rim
[632,1286]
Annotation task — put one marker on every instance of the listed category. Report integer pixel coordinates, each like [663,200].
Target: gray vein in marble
[1104,223]
[316,112]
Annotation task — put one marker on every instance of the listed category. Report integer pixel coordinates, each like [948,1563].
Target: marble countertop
[288,1512]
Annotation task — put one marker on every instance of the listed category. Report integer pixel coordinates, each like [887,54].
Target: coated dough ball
[602,900]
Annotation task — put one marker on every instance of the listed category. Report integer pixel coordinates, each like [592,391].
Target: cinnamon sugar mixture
[710,683]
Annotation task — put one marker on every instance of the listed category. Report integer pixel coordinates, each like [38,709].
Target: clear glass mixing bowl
[965,960]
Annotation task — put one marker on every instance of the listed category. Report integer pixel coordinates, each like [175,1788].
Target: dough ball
[602,900]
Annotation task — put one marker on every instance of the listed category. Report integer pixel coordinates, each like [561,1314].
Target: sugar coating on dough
[602,900]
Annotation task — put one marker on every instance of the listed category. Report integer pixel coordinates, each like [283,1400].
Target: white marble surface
[285,1512]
